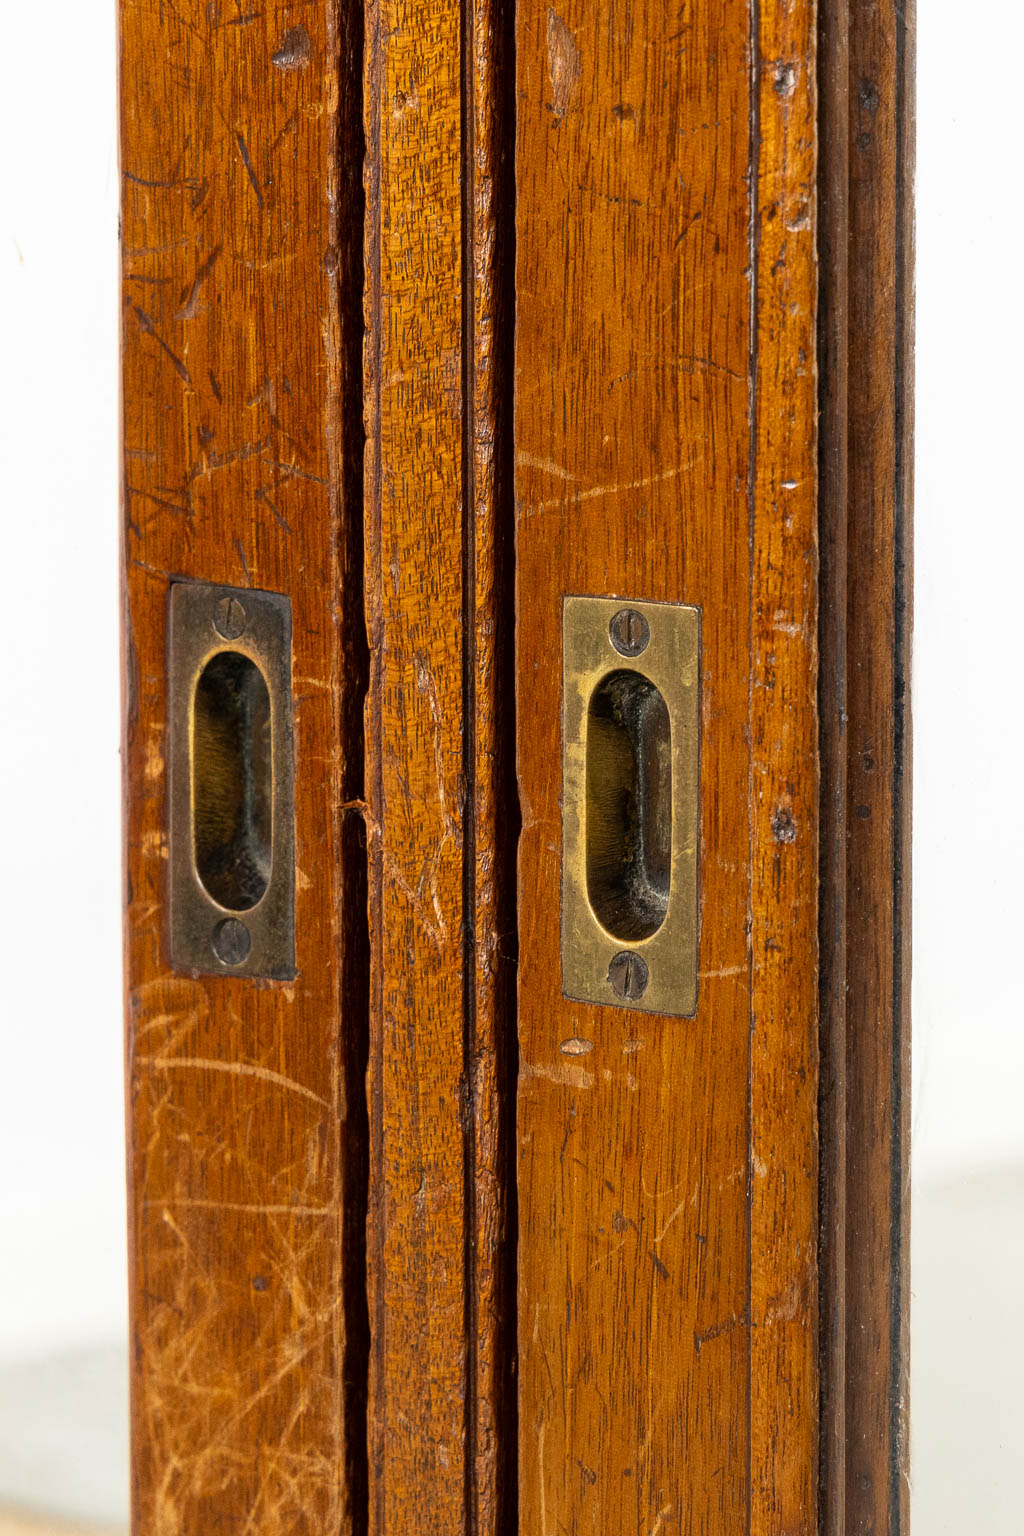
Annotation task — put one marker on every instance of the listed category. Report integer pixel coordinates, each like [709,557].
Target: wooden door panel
[665,450]
[239,469]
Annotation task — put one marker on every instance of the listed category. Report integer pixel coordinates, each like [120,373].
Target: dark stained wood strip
[878,890]
[240,337]
[833,325]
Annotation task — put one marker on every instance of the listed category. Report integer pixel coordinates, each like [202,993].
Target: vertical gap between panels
[347,217]
[490,805]
[503,78]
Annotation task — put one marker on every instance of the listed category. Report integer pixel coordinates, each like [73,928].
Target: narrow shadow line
[353,684]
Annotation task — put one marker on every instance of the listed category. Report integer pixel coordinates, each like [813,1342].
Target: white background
[62,1248]
[968,693]
[62,1243]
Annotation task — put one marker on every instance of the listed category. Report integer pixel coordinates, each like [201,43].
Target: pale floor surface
[64,1440]
[63,1422]
[967,1356]
[13,1523]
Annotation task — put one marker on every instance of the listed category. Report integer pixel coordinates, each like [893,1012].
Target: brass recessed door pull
[630,782]
[232,865]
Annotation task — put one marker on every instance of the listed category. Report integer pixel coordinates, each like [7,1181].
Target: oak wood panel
[441,797]
[241,465]
[414,600]
[878,780]
[665,396]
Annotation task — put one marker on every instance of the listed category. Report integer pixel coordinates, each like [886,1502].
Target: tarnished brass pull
[630,803]
[232,874]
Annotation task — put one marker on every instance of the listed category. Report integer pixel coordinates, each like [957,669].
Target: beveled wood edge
[845,1362]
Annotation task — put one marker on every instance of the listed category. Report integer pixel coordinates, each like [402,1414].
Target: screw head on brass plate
[229,618]
[628,974]
[629,632]
[231,941]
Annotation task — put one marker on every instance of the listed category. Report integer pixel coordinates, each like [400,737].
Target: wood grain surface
[441,793]
[665,449]
[240,466]
[785,781]
[416,1253]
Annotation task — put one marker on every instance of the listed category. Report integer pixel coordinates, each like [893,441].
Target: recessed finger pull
[231,854]
[630,803]
[232,781]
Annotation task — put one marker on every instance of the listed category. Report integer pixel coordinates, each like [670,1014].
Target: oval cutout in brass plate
[627,827]
[232,781]
[231,843]
[630,811]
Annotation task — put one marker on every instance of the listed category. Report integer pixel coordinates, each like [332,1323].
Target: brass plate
[611,644]
[253,934]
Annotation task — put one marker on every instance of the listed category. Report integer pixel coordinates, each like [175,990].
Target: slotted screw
[231,941]
[628,975]
[229,618]
[629,632]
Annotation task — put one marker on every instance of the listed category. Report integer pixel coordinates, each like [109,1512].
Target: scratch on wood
[147,325]
[233,1068]
[563,65]
[243,150]
[595,491]
[564,1073]
[190,299]
[530,461]
[251,1209]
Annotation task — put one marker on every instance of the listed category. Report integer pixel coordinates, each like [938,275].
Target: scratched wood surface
[239,351]
[665,449]
[440,793]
